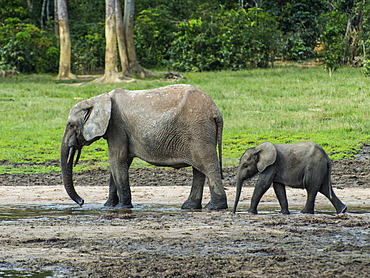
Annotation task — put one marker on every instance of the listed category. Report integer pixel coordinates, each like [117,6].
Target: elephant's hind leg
[206,163]
[310,203]
[211,168]
[339,206]
[218,195]
[312,184]
[195,198]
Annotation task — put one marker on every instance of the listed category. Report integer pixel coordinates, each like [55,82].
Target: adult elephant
[175,126]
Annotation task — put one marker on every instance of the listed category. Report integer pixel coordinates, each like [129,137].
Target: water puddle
[19,273]
[18,212]
[29,212]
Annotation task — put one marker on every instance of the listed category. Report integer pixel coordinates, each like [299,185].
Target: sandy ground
[175,243]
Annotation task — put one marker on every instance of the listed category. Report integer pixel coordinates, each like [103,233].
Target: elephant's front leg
[113,196]
[120,178]
[263,184]
[195,198]
[280,192]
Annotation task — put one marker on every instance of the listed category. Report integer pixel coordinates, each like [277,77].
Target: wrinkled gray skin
[175,126]
[298,165]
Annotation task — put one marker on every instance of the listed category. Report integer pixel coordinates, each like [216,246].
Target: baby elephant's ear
[266,153]
[96,117]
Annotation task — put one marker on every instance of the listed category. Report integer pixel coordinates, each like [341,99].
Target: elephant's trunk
[239,185]
[66,163]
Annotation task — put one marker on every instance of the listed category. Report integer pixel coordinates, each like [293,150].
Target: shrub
[154,33]
[295,49]
[88,47]
[366,69]
[232,39]
[26,48]
[333,39]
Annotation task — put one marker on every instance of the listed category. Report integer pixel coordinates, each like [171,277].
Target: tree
[121,32]
[134,68]
[334,41]
[65,42]
[354,33]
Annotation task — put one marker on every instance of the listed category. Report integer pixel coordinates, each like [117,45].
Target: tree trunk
[121,32]
[48,10]
[135,68]
[56,24]
[121,39]
[354,28]
[111,73]
[65,42]
[128,23]
[43,14]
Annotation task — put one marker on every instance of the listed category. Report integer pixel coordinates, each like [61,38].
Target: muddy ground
[175,243]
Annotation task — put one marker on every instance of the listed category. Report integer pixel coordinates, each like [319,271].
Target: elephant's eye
[245,165]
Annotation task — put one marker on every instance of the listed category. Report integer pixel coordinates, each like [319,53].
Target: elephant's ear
[266,153]
[97,116]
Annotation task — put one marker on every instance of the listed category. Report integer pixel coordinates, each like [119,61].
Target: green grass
[281,105]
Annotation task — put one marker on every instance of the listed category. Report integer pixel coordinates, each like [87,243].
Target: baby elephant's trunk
[238,192]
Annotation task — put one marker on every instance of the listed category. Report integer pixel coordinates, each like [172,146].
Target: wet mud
[157,239]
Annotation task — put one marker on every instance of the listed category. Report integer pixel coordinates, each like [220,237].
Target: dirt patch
[188,244]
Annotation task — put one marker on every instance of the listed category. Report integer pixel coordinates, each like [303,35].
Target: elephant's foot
[284,211]
[110,203]
[342,209]
[308,211]
[192,204]
[216,206]
[252,211]
[217,202]
[123,206]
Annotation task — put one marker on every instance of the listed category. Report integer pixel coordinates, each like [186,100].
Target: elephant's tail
[327,185]
[219,125]
[328,175]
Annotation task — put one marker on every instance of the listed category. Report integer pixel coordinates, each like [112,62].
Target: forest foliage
[192,35]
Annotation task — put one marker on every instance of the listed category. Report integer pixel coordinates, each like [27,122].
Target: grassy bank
[281,105]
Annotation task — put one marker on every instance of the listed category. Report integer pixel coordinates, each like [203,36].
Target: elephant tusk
[71,154]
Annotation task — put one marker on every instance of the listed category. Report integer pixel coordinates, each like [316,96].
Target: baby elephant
[298,165]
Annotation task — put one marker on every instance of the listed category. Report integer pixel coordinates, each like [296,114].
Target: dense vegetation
[209,40]
[281,105]
[192,35]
